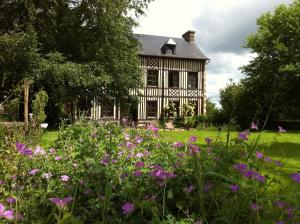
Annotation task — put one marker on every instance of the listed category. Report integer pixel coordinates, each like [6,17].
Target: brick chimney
[189,36]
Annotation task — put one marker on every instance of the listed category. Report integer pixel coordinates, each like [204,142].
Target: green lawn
[284,146]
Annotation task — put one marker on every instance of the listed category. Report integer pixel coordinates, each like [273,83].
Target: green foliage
[165,182]
[273,75]
[80,50]
[38,106]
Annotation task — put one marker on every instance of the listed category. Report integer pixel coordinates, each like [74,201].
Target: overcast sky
[221,28]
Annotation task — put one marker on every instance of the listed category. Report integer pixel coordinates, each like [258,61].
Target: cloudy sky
[221,29]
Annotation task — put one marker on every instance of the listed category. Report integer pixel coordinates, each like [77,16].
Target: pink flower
[139,164]
[64,178]
[128,208]
[39,151]
[57,158]
[61,202]
[193,139]
[47,175]
[33,172]
[7,214]
[139,155]
[254,126]
[281,129]
[138,139]
[189,189]
[52,151]
[130,145]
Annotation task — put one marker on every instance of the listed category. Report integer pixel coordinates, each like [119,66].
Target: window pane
[152,78]
[151,109]
[107,110]
[173,79]
[192,80]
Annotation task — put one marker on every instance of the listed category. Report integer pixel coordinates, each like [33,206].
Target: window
[175,107]
[195,105]
[151,109]
[192,80]
[107,110]
[152,78]
[173,79]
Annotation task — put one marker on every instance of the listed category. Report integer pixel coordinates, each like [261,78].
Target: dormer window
[169,47]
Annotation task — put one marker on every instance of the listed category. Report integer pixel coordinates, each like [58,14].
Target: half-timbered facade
[174,71]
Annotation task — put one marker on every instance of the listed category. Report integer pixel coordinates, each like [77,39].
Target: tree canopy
[273,76]
[74,49]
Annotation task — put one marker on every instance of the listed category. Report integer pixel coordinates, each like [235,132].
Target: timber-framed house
[174,72]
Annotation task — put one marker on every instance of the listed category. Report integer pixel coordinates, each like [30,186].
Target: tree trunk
[26,97]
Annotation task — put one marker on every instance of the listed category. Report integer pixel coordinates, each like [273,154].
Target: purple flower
[259,155]
[278,163]
[33,172]
[138,139]
[153,128]
[11,200]
[189,189]
[124,176]
[61,202]
[243,136]
[296,177]
[208,140]
[241,167]
[254,126]
[105,160]
[234,188]
[178,144]
[87,191]
[193,149]
[280,222]
[254,206]
[23,150]
[139,155]
[57,158]
[127,208]
[193,138]
[207,186]
[130,145]
[2,182]
[7,214]
[127,137]
[64,178]
[139,164]
[268,159]
[280,204]
[281,129]
[137,173]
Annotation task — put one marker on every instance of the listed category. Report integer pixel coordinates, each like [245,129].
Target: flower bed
[104,174]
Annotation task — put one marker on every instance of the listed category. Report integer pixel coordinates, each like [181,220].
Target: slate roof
[151,45]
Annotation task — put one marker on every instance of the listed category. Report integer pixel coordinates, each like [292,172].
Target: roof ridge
[157,36]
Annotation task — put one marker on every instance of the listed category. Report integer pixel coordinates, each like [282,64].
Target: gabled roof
[151,45]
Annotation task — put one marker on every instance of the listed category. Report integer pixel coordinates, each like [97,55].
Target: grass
[284,146]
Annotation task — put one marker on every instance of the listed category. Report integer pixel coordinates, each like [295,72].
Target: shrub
[100,173]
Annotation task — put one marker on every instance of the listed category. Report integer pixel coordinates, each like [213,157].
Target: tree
[273,76]
[84,47]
